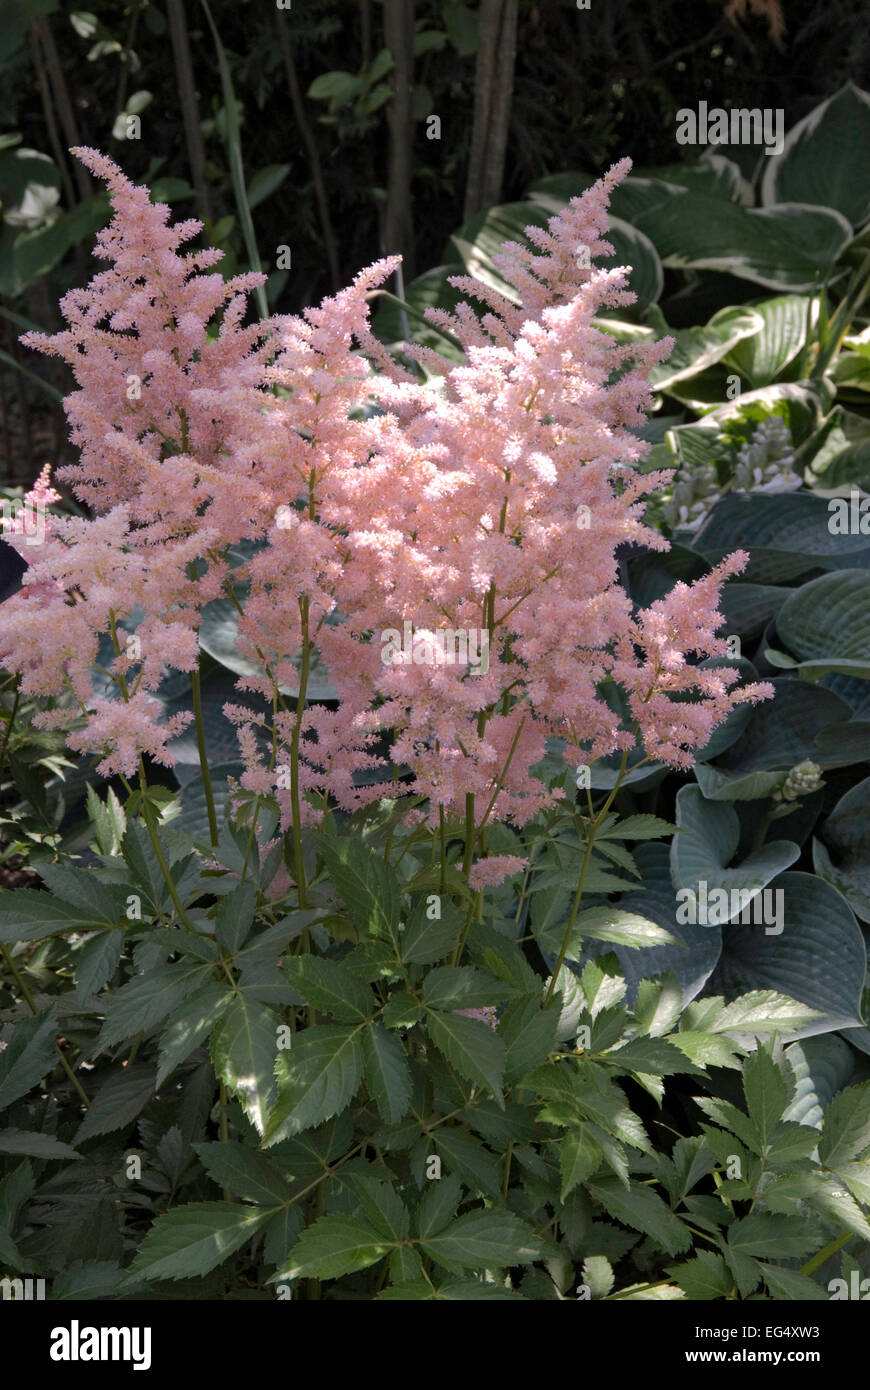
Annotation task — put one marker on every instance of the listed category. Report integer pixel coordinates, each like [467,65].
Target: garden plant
[435,748]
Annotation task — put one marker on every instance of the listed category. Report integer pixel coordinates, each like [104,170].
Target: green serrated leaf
[334,1246]
[245,1173]
[643,1210]
[317,1078]
[846,1128]
[28,1055]
[330,987]
[477,1053]
[243,1049]
[386,1072]
[367,886]
[484,1239]
[188,1241]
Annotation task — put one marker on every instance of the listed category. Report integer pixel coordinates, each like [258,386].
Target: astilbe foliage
[488,498]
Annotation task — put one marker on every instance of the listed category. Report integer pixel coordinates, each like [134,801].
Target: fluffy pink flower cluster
[481,505]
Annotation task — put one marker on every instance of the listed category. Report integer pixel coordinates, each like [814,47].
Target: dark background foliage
[588,87]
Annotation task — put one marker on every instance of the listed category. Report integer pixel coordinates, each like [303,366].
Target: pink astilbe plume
[151,466]
[487,501]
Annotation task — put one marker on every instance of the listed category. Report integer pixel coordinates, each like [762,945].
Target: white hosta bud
[804,778]
[765,463]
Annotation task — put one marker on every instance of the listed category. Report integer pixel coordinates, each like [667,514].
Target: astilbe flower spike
[485,503]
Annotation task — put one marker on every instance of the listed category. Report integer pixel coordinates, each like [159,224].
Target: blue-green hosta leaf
[779,734]
[730,730]
[218,637]
[695,349]
[692,961]
[759,358]
[709,840]
[243,1049]
[786,535]
[819,1066]
[720,784]
[818,958]
[789,247]
[825,624]
[193,816]
[748,608]
[189,1241]
[822,155]
[221,736]
[28,1055]
[842,856]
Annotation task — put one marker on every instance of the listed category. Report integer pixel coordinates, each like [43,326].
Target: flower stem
[203,756]
[158,849]
[594,822]
[812,1265]
[295,799]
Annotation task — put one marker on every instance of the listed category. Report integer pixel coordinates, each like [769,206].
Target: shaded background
[334,100]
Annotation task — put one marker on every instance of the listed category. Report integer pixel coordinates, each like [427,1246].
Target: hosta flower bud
[804,777]
[764,464]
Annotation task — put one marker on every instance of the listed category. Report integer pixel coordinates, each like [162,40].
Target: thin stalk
[812,1265]
[593,825]
[196,690]
[237,170]
[295,798]
[8,730]
[158,850]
